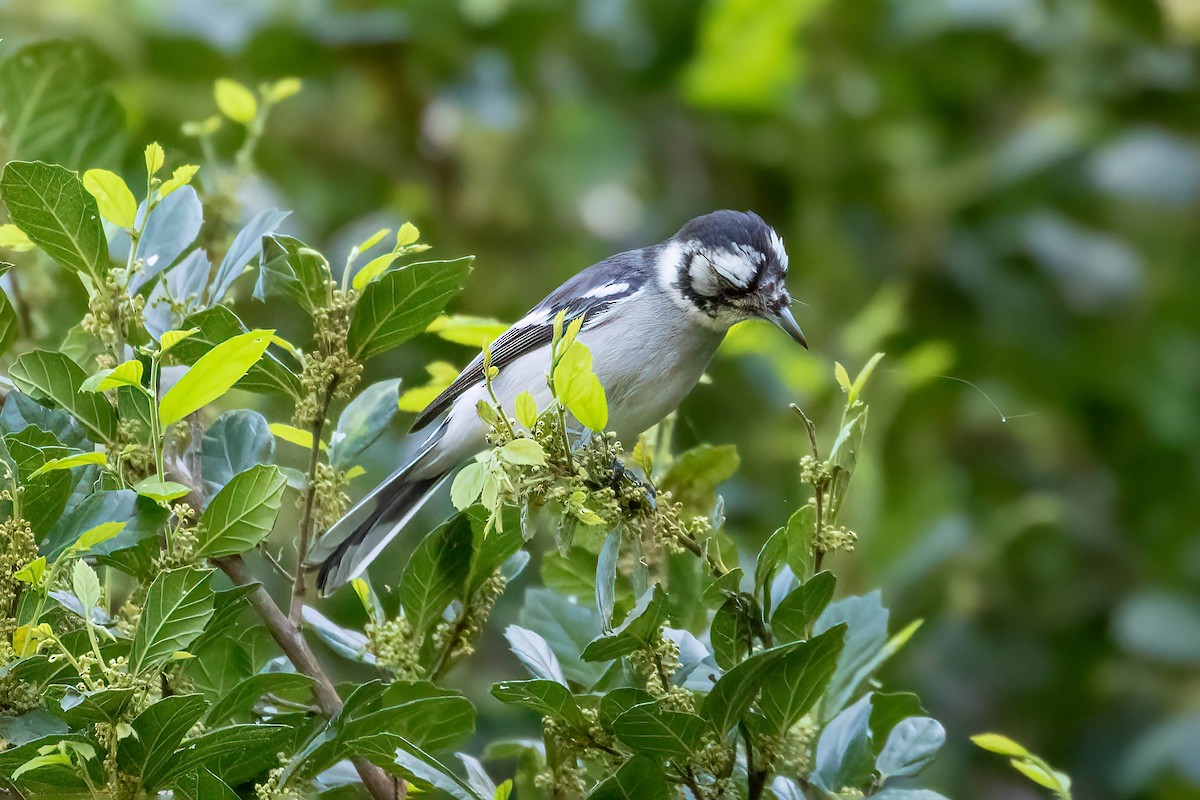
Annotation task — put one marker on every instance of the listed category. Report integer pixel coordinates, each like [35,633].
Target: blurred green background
[1005,192]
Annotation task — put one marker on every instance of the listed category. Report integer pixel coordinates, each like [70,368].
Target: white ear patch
[780,253]
[738,266]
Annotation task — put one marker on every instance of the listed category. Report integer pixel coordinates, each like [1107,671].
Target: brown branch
[291,641]
[287,635]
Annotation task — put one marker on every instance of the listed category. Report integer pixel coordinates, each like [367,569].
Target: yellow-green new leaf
[235,101]
[999,744]
[579,389]
[526,408]
[213,375]
[67,462]
[407,234]
[127,373]
[97,535]
[281,89]
[293,435]
[467,330]
[843,377]
[113,198]
[155,158]
[172,338]
[525,452]
[372,240]
[182,176]
[13,238]
[864,375]
[33,572]
[468,483]
[364,595]
[373,269]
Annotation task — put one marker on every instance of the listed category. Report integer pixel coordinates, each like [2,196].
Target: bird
[653,318]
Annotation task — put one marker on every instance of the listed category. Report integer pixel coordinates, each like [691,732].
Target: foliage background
[1002,191]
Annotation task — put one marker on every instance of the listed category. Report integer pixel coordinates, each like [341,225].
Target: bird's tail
[348,548]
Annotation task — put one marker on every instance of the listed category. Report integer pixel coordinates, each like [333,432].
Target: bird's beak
[784,319]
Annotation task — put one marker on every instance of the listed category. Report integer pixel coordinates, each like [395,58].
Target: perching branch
[291,641]
[286,634]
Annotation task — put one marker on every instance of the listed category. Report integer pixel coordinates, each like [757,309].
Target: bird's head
[729,266]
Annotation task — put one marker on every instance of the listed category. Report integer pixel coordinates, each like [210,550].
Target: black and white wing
[591,294]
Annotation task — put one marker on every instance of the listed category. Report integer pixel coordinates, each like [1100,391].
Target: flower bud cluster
[395,647]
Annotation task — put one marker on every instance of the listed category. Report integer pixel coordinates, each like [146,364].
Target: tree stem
[307,519]
[291,641]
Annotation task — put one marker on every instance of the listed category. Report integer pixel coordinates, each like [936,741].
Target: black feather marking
[631,269]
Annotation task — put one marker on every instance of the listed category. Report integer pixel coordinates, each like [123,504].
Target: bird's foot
[622,476]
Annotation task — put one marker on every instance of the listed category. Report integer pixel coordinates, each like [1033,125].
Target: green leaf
[864,648]
[606,577]
[800,609]
[234,753]
[56,106]
[639,778]
[67,462]
[730,633]
[796,682]
[235,101]
[79,709]
[910,747]
[567,628]
[547,697]
[128,373]
[213,375]
[430,717]
[290,267]
[242,513]
[402,757]
[52,376]
[526,409]
[203,785]
[578,388]
[162,491]
[770,557]
[402,303]
[436,573]
[9,327]
[373,269]
[50,206]
[238,440]
[169,339]
[113,198]
[365,419]
[525,452]
[1002,745]
[844,756]
[45,496]
[734,692]
[293,435]
[178,605]
[801,532]
[534,652]
[654,731]
[219,324]
[473,332]
[636,631]
[158,731]
[239,701]
[467,485]
[887,710]
[695,475]
[86,586]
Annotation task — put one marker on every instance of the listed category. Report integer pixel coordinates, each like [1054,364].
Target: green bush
[659,662]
